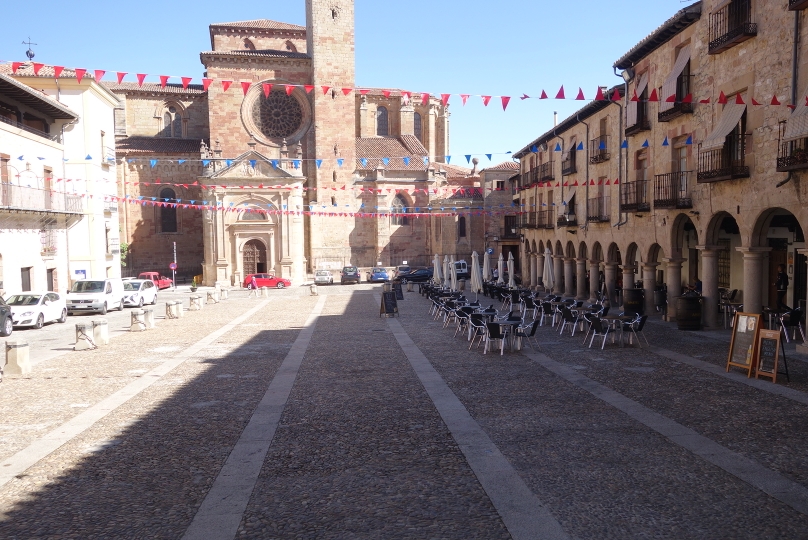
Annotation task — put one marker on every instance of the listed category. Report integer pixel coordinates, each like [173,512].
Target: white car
[323,277]
[36,309]
[139,291]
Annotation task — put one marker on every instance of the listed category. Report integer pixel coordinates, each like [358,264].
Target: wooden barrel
[634,301]
[688,312]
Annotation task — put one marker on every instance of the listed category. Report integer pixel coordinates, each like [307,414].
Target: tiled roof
[468,193]
[170,88]
[34,98]
[504,166]
[375,148]
[412,144]
[453,171]
[681,20]
[264,24]
[157,145]
[264,53]
[27,70]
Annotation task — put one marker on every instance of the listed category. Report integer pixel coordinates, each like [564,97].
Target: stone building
[669,188]
[286,150]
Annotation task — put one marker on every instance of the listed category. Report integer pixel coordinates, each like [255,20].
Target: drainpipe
[586,180]
[620,220]
[794,74]
[562,176]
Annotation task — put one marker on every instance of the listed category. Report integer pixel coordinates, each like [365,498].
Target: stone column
[674,284]
[628,275]
[540,267]
[558,270]
[525,269]
[754,277]
[649,285]
[594,280]
[569,277]
[534,270]
[709,284]
[610,274]
[581,273]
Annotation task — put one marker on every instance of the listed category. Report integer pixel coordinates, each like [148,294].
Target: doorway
[51,281]
[25,275]
[776,258]
[255,258]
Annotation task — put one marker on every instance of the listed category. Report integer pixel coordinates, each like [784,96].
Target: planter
[193,289]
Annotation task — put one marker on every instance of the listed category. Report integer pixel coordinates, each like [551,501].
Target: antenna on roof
[29,53]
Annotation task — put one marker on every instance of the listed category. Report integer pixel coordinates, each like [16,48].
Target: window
[382,122]
[399,208]
[642,165]
[248,44]
[168,214]
[172,122]
[25,276]
[291,47]
[417,127]
[103,148]
[500,185]
[461,227]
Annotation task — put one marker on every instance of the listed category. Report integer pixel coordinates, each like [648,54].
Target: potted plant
[193,285]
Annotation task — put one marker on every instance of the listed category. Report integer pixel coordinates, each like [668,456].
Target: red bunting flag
[465,98]
[80,74]
[654,96]
[289,89]
[705,101]
[245,86]
[543,95]
[775,101]
[308,88]
[267,89]
[616,96]
[140,78]
[163,80]
[600,182]
[15,66]
[206,84]
[592,182]
[121,75]
[364,91]
[688,99]
[634,96]
[424,98]
[386,94]
[505,101]
[37,67]
[671,99]
[608,182]
[792,107]
[599,96]
[486,99]
[444,98]
[722,99]
[616,181]
[346,91]
[186,81]
[566,184]
[739,100]
[99,74]
[580,96]
[226,85]
[57,71]
[560,94]
[754,102]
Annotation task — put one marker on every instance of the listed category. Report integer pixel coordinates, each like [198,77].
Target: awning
[569,196]
[631,110]
[669,86]
[729,119]
[568,149]
[797,125]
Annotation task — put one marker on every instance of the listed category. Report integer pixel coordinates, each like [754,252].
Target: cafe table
[616,322]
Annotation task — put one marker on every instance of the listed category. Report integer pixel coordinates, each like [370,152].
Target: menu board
[398,291]
[389,305]
[768,354]
[743,346]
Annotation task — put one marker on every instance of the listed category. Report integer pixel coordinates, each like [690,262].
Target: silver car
[323,277]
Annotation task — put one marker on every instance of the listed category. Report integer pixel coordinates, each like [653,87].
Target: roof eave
[35,100]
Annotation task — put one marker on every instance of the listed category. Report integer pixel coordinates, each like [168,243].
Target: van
[95,295]
[462,270]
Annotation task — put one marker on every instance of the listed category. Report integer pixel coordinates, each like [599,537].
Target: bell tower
[331,45]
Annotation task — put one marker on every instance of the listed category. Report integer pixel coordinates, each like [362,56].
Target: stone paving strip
[601,472]
[361,451]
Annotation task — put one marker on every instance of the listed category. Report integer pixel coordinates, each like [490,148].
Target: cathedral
[286,149]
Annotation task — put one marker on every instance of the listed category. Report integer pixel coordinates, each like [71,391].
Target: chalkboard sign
[743,346]
[768,354]
[389,305]
[398,291]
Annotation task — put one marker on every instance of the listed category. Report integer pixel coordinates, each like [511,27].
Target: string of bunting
[600,95]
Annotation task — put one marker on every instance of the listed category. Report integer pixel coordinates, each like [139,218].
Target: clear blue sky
[506,47]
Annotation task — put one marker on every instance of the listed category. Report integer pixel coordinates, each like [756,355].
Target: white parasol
[500,269]
[447,279]
[511,278]
[548,278]
[486,266]
[476,274]
[436,274]
[453,273]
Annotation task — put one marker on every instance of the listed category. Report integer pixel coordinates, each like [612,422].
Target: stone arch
[290,46]
[559,249]
[631,254]
[266,207]
[760,231]
[655,254]
[719,221]
[253,214]
[167,215]
[614,255]
[254,256]
[597,252]
[533,244]
[680,231]
[172,119]
[582,251]
[254,106]
[570,250]
[541,247]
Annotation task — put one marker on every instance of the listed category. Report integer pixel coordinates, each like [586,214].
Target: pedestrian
[253,287]
[782,288]
[495,273]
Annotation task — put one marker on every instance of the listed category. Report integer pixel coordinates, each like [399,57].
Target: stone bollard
[180,310]
[171,310]
[100,332]
[409,286]
[313,289]
[212,297]
[138,321]
[17,357]
[265,292]
[196,303]
[223,294]
[84,337]
[148,315]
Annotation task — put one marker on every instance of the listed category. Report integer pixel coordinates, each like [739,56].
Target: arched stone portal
[254,257]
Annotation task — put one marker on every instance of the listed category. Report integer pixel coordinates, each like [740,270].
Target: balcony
[546,172]
[722,164]
[634,197]
[110,206]
[672,190]
[531,220]
[51,137]
[730,26]
[546,220]
[510,233]
[684,88]
[49,242]
[792,155]
[568,165]
[27,199]
[597,209]
[599,150]
[567,220]
[643,120]
[796,5]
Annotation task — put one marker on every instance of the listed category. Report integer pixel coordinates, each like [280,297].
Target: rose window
[278,116]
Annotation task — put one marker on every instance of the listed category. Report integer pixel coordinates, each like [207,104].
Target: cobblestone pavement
[146,424]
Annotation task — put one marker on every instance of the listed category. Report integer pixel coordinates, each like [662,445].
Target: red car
[162,282]
[267,280]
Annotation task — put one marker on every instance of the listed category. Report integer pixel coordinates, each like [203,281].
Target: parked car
[462,270]
[378,275]
[416,276]
[401,269]
[95,295]
[36,309]
[139,292]
[323,277]
[162,282]
[350,274]
[6,321]
[267,280]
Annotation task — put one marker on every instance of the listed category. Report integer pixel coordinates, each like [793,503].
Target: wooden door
[775,258]
[255,257]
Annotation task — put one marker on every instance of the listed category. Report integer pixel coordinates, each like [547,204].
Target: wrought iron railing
[599,149]
[643,120]
[795,5]
[684,88]
[546,172]
[792,155]
[546,219]
[672,190]
[731,25]
[634,197]
[568,165]
[724,163]
[13,197]
[598,209]
[567,220]
[51,137]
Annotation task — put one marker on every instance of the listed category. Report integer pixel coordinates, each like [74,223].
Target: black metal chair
[793,320]
[478,329]
[598,329]
[568,318]
[495,333]
[636,328]
[528,334]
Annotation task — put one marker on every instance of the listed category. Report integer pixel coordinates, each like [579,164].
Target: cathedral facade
[283,158]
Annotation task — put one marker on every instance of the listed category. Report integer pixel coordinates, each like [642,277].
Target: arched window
[248,44]
[168,214]
[461,227]
[417,126]
[382,122]
[291,47]
[253,214]
[399,207]
[172,122]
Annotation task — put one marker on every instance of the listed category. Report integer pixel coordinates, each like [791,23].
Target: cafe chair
[531,307]
[598,329]
[792,320]
[568,319]
[495,333]
[546,311]
[636,327]
[477,329]
[528,334]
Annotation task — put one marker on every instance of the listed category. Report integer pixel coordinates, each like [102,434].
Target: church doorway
[255,258]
